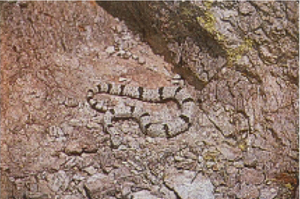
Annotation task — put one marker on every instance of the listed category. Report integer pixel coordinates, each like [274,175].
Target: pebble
[110,50]
[248,191]
[189,185]
[58,181]
[141,60]
[127,55]
[96,182]
[210,164]
[116,141]
[118,28]
[90,170]
[75,122]
[239,164]
[78,177]
[267,193]
[135,57]
[121,53]
[252,176]
[126,37]
[73,148]
[93,125]
[144,194]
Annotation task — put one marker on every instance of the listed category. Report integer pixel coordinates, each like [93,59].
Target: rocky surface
[239,59]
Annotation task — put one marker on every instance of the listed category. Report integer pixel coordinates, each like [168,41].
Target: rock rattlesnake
[148,124]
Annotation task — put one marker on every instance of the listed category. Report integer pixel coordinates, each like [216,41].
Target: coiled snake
[148,125]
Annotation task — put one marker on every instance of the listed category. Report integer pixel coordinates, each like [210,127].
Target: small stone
[90,170]
[150,139]
[116,141]
[144,194]
[71,197]
[118,28]
[248,192]
[231,170]
[187,184]
[239,164]
[73,148]
[110,50]
[121,53]
[141,60]
[58,181]
[126,37]
[246,8]
[268,193]
[75,122]
[135,57]
[96,183]
[127,55]
[93,125]
[252,176]
[230,153]
[210,164]
[178,158]
[250,159]
[78,177]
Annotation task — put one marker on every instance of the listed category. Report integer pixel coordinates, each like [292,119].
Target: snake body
[148,125]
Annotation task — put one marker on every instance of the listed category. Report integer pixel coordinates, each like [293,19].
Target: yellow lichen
[208,3]
[208,21]
[236,53]
[289,186]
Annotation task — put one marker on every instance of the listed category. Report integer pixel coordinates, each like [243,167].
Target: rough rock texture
[188,184]
[239,58]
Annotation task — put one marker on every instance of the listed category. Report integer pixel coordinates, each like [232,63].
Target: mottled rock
[135,57]
[246,8]
[127,55]
[121,53]
[58,181]
[229,152]
[187,185]
[116,141]
[268,193]
[110,50]
[221,119]
[143,195]
[248,192]
[71,197]
[141,60]
[251,176]
[238,164]
[96,184]
[167,193]
[90,170]
[73,148]
[250,159]
[76,122]
[118,28]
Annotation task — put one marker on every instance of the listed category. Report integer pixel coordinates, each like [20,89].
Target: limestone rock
[187,185]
